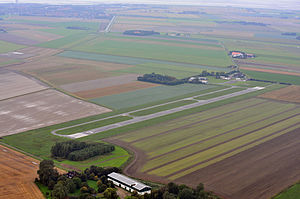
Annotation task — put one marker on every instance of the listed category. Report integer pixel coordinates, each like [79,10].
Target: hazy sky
[279,4]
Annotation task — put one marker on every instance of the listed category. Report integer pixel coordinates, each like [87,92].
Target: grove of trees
[160,79]
[78,151]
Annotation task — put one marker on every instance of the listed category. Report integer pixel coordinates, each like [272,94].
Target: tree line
[78,151]
[160,79]
[140,32]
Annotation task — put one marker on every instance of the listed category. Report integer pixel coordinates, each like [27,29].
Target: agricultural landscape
[230,123]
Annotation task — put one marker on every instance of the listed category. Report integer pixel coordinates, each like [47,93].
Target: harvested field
[17,173]
[271,71]
[100,83]
[8,37]
[288,94]
[13,84]
[37,52]
[41,109]
[111,90]
[177,149]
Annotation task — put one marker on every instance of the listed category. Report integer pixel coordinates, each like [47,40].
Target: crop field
[148,95]
[100,83]
[288,94]
[184,146]
[134,48]
[140,62]
[17,175]
[290,193]
[292,79]
[271,71]
[37,35]
[40,109]
[13,84]
[113,90]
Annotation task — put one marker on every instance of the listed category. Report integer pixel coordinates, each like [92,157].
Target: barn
[128,183]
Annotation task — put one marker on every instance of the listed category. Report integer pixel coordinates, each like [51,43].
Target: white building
[128,183]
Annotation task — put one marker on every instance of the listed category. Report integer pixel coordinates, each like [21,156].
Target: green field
[154,51]
[173,148]
[273,77]
[148,95]
[143,65]
[292,192]
[8,47]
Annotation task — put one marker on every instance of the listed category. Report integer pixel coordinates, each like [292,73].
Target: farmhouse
[128,183]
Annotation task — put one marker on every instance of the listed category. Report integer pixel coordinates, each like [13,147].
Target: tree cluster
[298,37]
[289,33]
[78,151]
[242,23]
[63,185]
[77,28]
[160,79]
[174,191]
[140,32]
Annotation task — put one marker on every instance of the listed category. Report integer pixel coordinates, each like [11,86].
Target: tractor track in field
[239,147]
[198,122]
[199,142]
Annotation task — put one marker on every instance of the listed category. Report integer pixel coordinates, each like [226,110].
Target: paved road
[107,29]
[154,115]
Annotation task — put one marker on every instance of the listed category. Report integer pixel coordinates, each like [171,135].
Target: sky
[277,4]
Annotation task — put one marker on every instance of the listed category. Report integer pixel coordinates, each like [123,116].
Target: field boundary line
[202,150]
[239,147]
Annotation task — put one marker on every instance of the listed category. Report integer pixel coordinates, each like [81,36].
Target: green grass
[221,93]
[93,125]
[163,108]
[292,192]
[148,95]
[44,190]
[157,51]
[8,47]
[273,77]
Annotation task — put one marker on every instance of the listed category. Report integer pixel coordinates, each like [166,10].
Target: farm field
[13,84]
[41,109]
[290,193]
[132,48]
[173,150]
[112,90]
[292,79]
[17,175]
[148,95]
[7,47]
[288,94]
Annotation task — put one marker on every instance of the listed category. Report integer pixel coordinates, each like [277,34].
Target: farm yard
[184,146]
[18,172]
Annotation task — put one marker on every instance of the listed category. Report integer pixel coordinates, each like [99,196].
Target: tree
[71,186]
[110,193]
[186,193]
[168,195]
[173,188]
[77,182]
[47,173]
[59,191]
[101,188]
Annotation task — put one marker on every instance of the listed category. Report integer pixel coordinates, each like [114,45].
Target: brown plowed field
[17,173]
[17,39]
[271,71]
[260,172]
[111,90]
[289,94]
